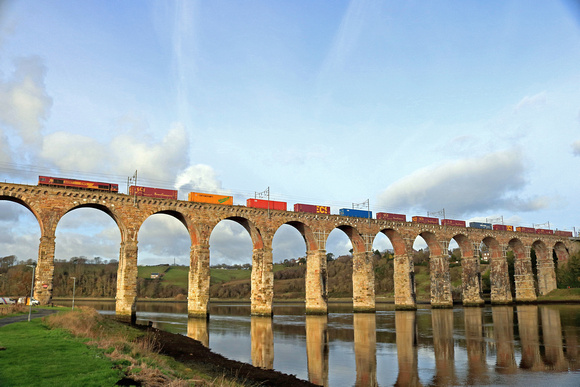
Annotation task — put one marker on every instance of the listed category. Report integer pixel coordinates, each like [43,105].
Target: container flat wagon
[151,192]
[563,233]
[79,184]
[503,227]
[269,204]
[452,222]
[425,219]
[481,225]
[544,231]
[392,217]
[355,213]
[210,198]
[529,230]
[299,207]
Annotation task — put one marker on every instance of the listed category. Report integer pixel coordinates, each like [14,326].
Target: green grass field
[36,355]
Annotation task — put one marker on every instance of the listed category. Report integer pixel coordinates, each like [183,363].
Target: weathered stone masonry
[49,205]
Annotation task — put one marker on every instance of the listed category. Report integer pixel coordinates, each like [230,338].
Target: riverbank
[132,355]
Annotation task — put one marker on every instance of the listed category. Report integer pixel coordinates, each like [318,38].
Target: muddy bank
[194,355]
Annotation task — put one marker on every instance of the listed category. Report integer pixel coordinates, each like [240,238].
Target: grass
[83,348]
[35,353]
[562,295]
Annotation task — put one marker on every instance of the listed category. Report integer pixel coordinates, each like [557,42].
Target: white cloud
[230,243]
[533,102]
[163,238]
[24,102]
[124,154]
[576,148]
[465,186]
[198,177]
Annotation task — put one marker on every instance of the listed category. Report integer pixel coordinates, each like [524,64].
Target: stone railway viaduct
[50,204]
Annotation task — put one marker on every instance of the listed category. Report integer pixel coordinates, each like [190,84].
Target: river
[524,345]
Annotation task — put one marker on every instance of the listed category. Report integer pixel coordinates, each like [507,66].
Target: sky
[470,107]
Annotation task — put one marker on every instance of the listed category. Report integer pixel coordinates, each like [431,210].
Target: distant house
[154,275]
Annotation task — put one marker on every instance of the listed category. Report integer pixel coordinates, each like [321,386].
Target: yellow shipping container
[210,198]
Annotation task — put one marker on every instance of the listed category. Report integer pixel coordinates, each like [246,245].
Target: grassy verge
[83,348]
[562,295]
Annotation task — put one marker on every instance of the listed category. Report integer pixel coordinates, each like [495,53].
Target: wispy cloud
[534,101]
[576,148]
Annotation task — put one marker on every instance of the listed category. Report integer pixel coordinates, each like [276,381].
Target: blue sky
[417,106]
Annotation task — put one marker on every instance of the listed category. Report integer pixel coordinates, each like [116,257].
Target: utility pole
[33,266]
[74,288]
[365,204]
[265,194]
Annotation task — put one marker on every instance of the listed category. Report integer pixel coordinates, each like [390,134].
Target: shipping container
[210,198]
[355,213]
[544,231]
[529,230]
[563,233]
[80,184]
[393,217]
[451,222]
[481,225]
[270,204]
[158,193]
[503,227]
[298,207]
[425,219]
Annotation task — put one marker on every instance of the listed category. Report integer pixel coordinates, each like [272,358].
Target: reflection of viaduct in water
[540,351]
[49,205]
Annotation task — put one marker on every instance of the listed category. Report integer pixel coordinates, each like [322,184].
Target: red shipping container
[451,222]
[271,204]
[563,233]
[394,217]
[298,207]
[425,219]
[158,193]
[544,231]
[529,230]
[503,227]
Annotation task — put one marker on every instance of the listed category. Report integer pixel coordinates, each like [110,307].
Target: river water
[524,345]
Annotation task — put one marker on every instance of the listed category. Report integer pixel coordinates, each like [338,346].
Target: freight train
[160,193]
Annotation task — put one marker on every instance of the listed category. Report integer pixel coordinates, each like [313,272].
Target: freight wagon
[529,230]
[80,184]
[298,207]
[425,219]
[451,222]
[563,233]
[503,227]
[151,192]
[393,217]
[544,231]
[481,225]
[355,213]
[210,198]
[269,204]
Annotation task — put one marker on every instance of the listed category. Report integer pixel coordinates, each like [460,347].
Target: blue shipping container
[355,213]
[485,226]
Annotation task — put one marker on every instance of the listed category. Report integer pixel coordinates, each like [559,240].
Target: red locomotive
[79,184]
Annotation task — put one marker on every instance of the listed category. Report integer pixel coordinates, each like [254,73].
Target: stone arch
[525,286]
[397,240]
[192,229]
[251,228]
[561,252]
[359,245]
[435,248]
[98,206]
[29,206]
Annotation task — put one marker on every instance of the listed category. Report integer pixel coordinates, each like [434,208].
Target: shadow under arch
[28,206]
[440,287]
